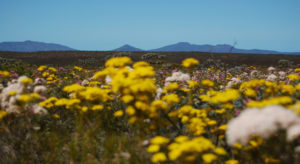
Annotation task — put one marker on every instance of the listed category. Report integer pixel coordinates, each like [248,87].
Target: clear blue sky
[108,24]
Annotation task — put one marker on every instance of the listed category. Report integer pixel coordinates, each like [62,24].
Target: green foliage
[283,63]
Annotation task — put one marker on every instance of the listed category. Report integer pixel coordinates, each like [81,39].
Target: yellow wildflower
[171,99]
[192,83]
[84,108]
[140,64]
[42,68]
[28,97]
[189,62]
[97,107]
[52,69]
[232,161]
[56,116]
[77,68]
[220,151]
[171,87]
[26,81]
[4,73]
[73,88]
[293,77]
[159,140]
[181,139]
[207,83]
[158,104]
[127,98]
[12,93]
[118,62]
[2,114]
[153,148]
[118,113]
[250,92]
[130,110]
[159,157]
[222,127]
[209,157]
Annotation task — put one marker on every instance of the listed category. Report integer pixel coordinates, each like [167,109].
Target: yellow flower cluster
[82,98]
[252,84]
[26,81]
[48,103]
[42,68]
[30,97]
[293,77]
[248,88]
[4,74]
[189,62]
[184,149]
[2,114]
[68,103]
[171,87]
[156,144]
[77,68]
[207,83]
[52,69]
[136,87]
[73,88]
[283,100]
[227,96]
[118,62]
[48,74]
[195,119]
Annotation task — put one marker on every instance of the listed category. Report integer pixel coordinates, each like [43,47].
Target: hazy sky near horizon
[108,24]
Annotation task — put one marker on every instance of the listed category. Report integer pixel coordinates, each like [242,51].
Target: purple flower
[61,69]
[237,112]
[14,75]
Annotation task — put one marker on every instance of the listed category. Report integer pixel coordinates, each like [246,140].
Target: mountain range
[188,47]
[127,47]
[32,46]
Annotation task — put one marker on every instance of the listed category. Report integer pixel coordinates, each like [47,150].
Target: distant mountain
[127,47]
[220,48]
[32,46]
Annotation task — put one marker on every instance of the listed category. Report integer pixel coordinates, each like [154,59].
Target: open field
[70,107]
[76,57]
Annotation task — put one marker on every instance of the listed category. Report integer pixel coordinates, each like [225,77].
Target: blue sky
[108,24]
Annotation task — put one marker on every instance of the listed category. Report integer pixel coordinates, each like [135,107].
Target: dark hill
[32,46]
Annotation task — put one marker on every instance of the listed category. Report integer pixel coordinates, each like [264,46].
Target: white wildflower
[40,89]
[263,122]
[271,77]
[271,69]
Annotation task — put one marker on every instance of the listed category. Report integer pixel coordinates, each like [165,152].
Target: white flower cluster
[39,81]
[234,81]
[271,77]
[282,75]
[177,77]
[10,94]
[263,122]
[271,69]
[159,92]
